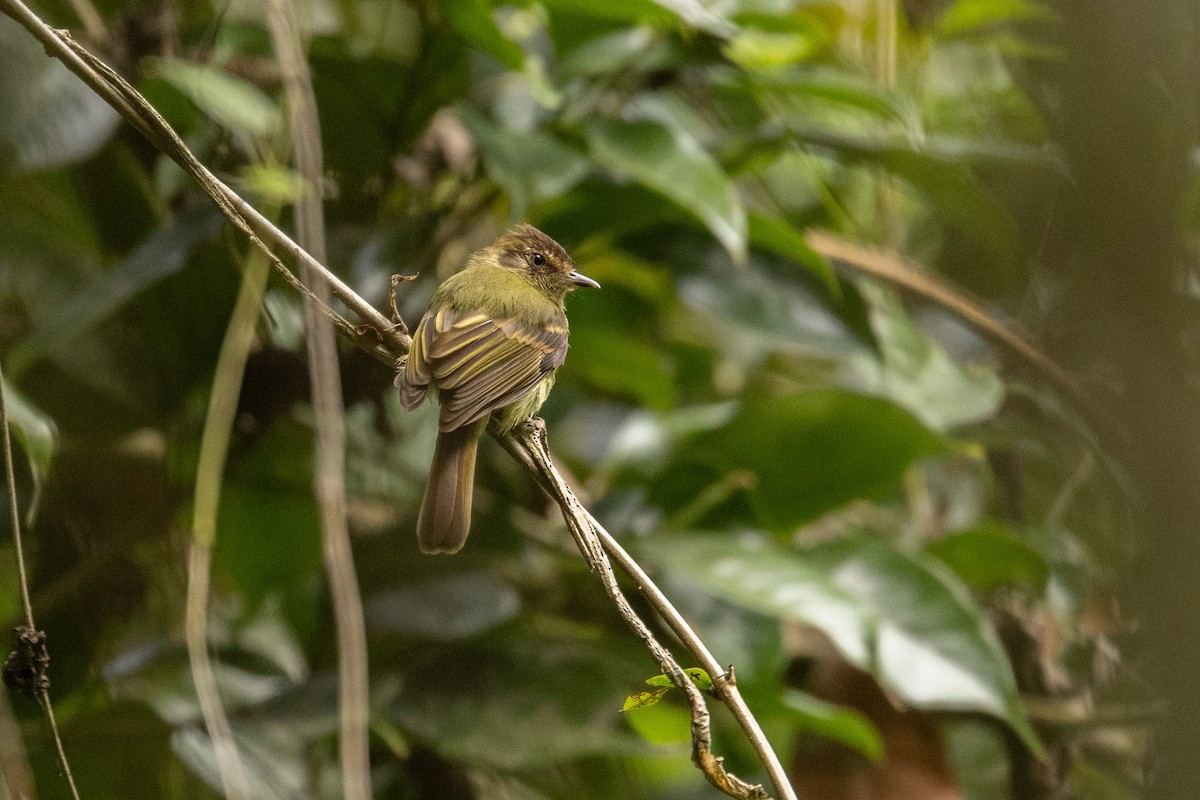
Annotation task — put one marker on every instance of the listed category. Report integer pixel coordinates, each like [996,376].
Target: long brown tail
[445,518]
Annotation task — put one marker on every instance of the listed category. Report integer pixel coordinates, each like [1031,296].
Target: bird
[489,345]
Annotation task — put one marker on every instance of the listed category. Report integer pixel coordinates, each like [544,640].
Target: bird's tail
[445,518]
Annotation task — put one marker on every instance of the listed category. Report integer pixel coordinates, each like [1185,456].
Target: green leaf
[622,365]
[969,16]
[661,723]
[672,162]
[274,184]
[660,13]
[836,87]
[230,101]
[839,723]
[916,373]
[750,572]
[531,167]
[445,608]
[630,11]
[989,556]
[941,170]
[163,254]
[474,22]
[34,429]
[814,451]
[640,49]
[933,645]
[758,313]
[48,117]
[904,618]
[777,236]
[769,42]
[645,699]
[611,354]
[268,538]
[517,703]
[698,676]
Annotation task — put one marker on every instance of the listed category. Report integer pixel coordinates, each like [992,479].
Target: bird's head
[541,260]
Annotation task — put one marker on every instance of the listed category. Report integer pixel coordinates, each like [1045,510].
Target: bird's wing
[479,363]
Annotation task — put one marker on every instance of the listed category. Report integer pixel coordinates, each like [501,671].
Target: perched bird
[489,344]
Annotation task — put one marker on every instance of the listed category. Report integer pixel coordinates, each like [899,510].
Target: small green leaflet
[662,684]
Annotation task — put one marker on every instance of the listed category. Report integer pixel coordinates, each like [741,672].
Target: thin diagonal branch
[529,446]
[329,412]
[30,637]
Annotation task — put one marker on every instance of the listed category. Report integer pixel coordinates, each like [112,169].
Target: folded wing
[478,363]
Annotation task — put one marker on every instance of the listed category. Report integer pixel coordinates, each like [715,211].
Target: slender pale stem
[210,472]
[328,410]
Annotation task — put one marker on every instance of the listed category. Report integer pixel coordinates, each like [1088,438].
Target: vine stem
[41,684]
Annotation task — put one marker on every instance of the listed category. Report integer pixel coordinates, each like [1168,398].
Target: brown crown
[526,239]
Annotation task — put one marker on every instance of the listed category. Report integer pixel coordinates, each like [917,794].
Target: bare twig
[31,643]
[901,273]
[329,411]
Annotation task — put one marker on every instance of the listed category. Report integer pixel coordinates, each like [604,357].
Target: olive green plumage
[489,344]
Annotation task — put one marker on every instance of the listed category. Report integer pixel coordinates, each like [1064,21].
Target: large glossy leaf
[916,373]
[933,644]
[672,162]
[834,87]
[48,117]
[640,49]
[609,357]
[268,538]
[268,526]
[449,607]
[750,572]
[755,313]
[521,704]
[811,452]
[905,618]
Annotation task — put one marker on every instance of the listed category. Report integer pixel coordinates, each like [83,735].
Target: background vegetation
[937,573]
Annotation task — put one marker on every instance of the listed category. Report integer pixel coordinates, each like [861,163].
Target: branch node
[25,668]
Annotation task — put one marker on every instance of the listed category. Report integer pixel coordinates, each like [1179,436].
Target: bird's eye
[537,259]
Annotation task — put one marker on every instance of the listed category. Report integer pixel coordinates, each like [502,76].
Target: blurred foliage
[821,473]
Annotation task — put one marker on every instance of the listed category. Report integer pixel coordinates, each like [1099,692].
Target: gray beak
[582,280]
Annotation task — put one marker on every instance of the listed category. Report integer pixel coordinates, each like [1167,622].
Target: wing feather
[478,363]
